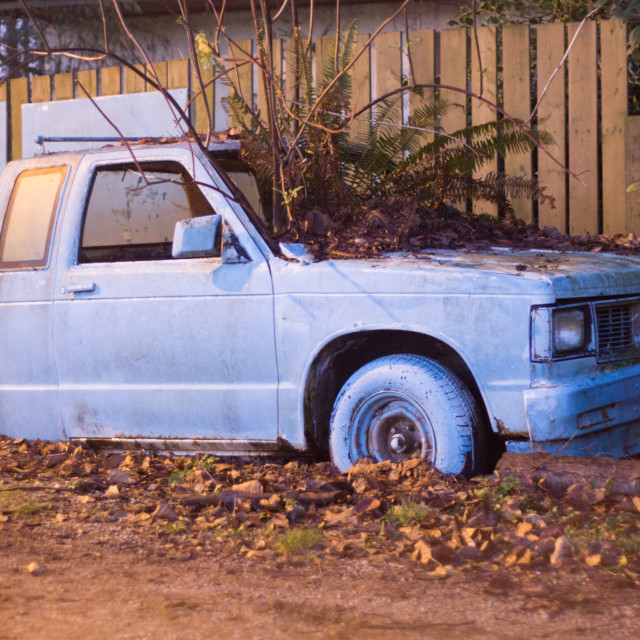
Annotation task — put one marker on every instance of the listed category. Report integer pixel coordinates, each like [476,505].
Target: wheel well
[339,359]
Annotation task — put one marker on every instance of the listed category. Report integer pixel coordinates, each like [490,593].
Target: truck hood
[571,275]
[561,276]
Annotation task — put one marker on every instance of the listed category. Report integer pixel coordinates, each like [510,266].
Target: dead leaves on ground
[265,509]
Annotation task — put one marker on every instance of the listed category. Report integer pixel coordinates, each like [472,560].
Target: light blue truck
[143,305]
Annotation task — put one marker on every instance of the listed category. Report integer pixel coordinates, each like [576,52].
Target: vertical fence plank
[389,73]
[89,80]
[19,95]
[242,77]
[421,49]
[63,86]
[453,72]
[484,72]
[161,72]
[295,81]
[325,51]
[276,66]
[41,89]
[133,83]
[613,78]
[178,78]
[517,103]
[551,118]
[361,87]
[632,174]
[583,130]
[177,74]
[203,119]
[111,84]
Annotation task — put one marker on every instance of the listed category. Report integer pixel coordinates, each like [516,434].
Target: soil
[151,546]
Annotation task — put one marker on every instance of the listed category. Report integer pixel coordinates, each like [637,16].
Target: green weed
[180,474]
[621,529]
[295,540]
[407,513]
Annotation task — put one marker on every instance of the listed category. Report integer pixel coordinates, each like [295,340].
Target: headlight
[569,330]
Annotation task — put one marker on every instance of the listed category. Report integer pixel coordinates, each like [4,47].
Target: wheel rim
[390,426]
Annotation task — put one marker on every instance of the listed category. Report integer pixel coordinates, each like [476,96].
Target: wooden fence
[594,138]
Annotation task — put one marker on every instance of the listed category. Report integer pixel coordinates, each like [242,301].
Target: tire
[406,406]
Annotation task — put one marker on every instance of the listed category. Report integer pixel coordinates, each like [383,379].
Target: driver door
[148,346]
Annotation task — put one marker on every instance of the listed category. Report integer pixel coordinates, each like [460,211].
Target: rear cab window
[25,240]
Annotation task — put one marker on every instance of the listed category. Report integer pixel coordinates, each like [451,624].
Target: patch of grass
[407,513]
[172,528]
[621,529]
[29,508]
[16,504]
[296,540]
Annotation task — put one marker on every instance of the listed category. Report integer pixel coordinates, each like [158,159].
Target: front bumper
[597,416]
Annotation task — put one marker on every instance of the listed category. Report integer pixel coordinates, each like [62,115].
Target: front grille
[614,326]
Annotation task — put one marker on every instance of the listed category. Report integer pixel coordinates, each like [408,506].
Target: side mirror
[197,237]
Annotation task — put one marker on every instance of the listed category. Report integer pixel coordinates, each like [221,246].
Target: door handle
[81,287]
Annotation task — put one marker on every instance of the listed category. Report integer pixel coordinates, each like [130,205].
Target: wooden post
[551,118]
[517,103]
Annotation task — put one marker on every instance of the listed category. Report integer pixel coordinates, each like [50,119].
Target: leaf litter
[269,509]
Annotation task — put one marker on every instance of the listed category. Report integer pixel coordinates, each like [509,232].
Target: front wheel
[406,406]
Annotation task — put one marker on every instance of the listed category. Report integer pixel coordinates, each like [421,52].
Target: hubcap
[389,426]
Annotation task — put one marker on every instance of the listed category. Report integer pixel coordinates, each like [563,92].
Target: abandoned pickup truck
[162,316]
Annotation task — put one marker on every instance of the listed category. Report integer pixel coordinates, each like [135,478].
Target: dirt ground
[160,556]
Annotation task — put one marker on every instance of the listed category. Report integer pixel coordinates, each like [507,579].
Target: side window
[131,216]
[26,234]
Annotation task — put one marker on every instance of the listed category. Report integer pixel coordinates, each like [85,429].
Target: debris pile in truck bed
[275,509]
[398,225]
